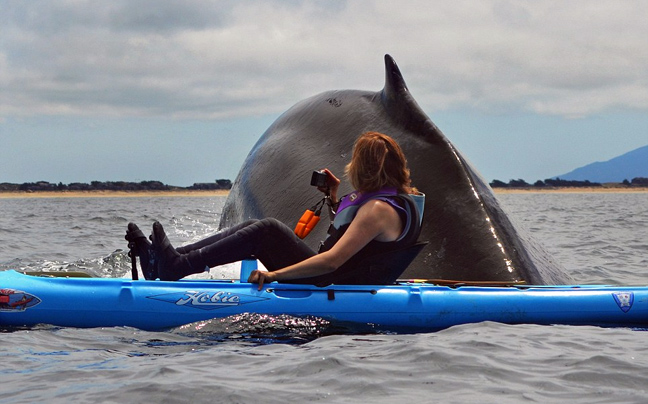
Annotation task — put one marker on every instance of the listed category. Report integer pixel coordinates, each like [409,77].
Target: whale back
[469,235]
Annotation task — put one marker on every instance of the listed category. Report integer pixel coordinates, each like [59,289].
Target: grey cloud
[230,58]
[49,17]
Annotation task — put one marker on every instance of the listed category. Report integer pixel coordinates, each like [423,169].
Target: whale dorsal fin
[394,82]
[403,107]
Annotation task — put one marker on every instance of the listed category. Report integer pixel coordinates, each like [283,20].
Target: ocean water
[598,238]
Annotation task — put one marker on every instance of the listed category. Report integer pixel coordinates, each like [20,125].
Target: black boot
[171,264]
[141,247]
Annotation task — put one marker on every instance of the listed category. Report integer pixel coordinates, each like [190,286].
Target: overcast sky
[179,91]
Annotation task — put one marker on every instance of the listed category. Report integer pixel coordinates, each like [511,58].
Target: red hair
[378,162]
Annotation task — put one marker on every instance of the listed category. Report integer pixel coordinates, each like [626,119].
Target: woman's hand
[261,277]
[332,185]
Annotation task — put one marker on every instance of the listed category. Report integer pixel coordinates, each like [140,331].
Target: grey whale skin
[470,237]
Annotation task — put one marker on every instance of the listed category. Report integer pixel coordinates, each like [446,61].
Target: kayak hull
[155,305]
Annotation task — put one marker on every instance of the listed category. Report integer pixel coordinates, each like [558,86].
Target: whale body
[469,236]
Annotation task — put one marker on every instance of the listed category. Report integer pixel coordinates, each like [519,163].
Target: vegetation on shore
[225,184]
[558,183]
[44,186]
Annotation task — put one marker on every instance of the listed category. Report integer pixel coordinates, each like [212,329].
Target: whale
[469,236]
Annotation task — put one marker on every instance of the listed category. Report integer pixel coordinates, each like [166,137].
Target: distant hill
[625,167]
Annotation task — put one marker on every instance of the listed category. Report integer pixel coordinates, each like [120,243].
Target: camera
[319,179]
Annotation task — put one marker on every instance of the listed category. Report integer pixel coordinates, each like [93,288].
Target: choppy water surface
[599,238]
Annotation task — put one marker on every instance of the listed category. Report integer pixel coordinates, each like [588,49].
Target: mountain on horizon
[625,167]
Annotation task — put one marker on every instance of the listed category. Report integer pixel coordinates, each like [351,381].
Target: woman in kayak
[377,217]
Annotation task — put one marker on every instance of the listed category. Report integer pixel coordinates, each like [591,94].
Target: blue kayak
[27,300]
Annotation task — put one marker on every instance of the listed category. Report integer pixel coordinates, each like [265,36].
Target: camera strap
[310,218]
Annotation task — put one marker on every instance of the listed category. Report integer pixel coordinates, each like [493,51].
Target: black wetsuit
[276,245]
[270,241]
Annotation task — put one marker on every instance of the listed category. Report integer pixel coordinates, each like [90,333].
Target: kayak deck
[153,305]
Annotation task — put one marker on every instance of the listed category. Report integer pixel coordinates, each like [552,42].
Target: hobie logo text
[209,299]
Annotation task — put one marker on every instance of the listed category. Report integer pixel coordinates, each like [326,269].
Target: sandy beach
[213,193]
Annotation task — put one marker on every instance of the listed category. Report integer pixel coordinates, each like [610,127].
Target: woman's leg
[269,240]
[215,237]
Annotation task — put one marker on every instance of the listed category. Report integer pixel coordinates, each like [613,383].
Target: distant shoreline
[572,190]
[113,194]
[222,192]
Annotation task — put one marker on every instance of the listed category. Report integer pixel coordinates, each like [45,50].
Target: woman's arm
[375,220]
